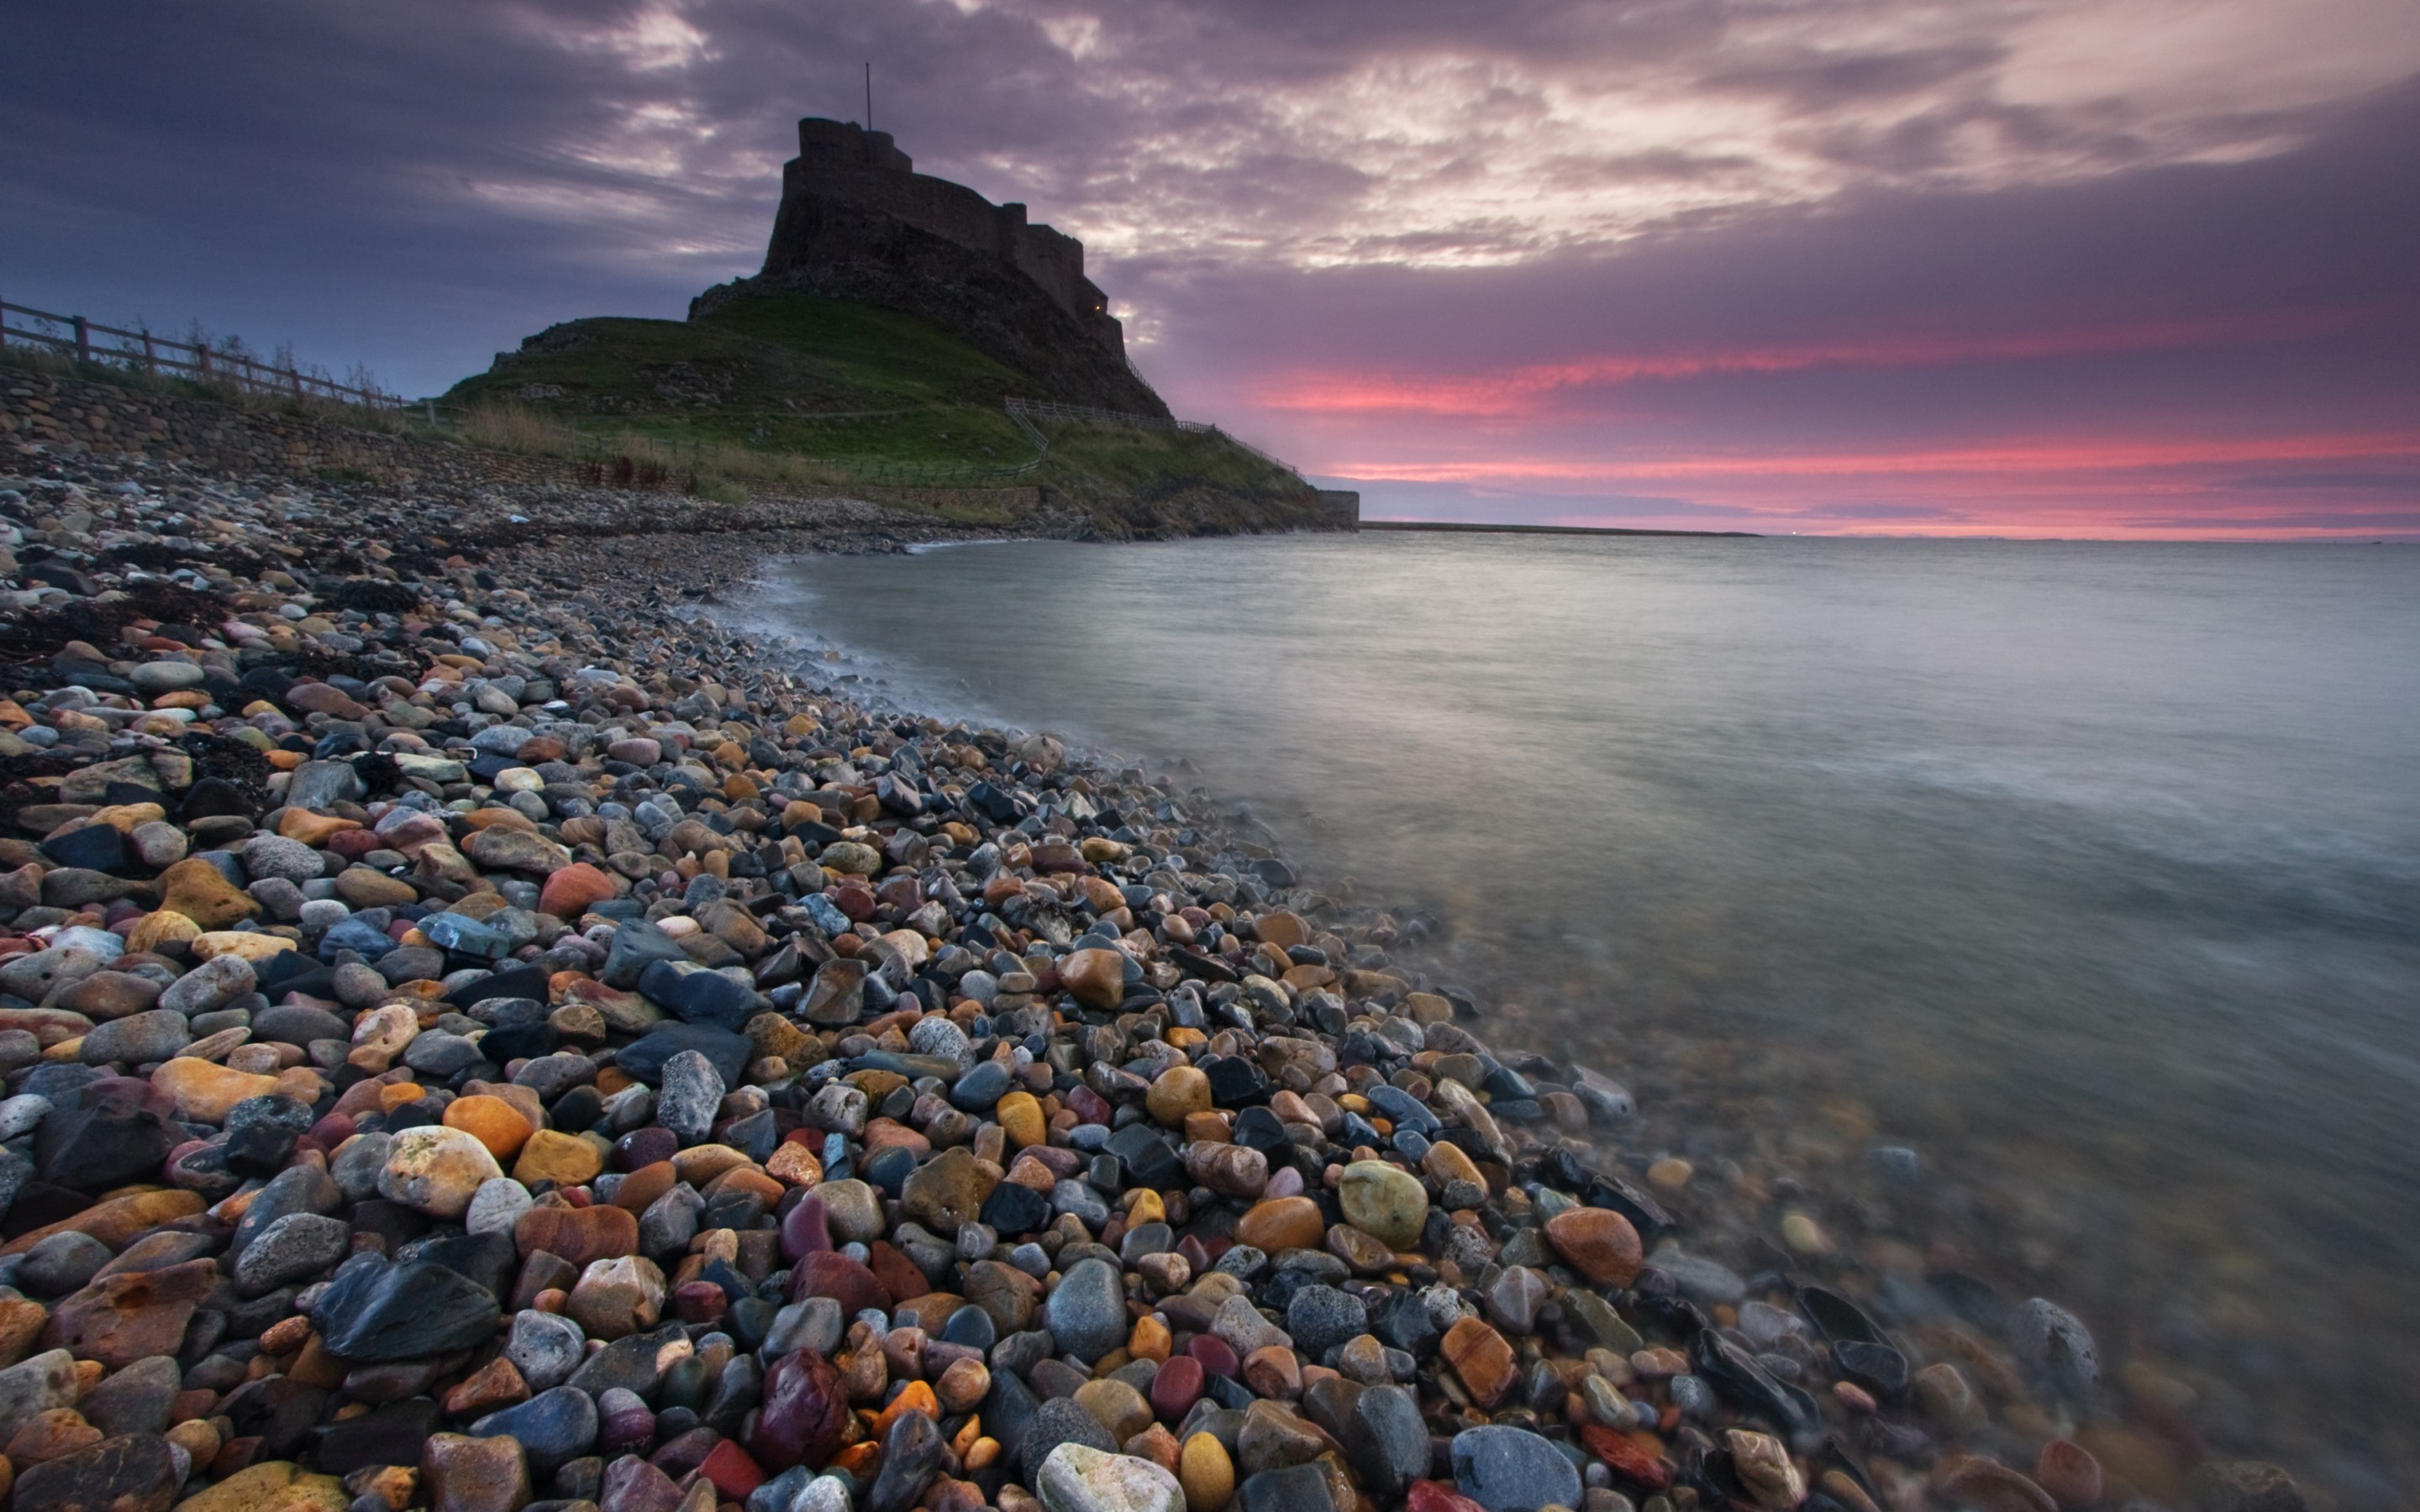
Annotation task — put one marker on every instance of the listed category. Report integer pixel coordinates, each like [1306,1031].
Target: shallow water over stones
[2029,918]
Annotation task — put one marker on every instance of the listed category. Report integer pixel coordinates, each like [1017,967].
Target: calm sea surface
[2090,871]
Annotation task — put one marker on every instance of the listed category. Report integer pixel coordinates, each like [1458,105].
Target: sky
[2037,268]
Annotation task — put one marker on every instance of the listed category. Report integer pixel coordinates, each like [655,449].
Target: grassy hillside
[799,390]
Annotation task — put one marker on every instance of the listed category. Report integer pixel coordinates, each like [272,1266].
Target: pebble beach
[480,1035]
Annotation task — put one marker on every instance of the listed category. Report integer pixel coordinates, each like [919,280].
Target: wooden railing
[144,351]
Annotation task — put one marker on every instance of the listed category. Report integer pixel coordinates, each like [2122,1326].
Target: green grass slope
[851,392]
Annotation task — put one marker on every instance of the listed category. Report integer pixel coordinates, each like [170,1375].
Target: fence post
[83,339]
[432,414]
[202,360]
[150,356]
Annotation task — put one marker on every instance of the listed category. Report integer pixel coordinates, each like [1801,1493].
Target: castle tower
[846,176]
[859,223]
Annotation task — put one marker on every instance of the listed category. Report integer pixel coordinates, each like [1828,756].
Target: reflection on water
[2090,870]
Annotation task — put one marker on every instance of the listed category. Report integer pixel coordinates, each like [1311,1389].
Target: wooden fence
[144,351]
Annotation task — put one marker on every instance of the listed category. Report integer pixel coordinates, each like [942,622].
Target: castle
[858,222]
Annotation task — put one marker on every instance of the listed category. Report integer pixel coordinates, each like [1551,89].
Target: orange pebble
[492,1121]
[967,1437]
[1149,1341]
[915,1398]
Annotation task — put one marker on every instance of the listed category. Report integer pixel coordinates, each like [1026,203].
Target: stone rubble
[477,1039]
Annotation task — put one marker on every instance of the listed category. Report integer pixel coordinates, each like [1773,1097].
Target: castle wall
[844,164]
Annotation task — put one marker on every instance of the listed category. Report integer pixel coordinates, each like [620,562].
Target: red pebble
[831,1273]
[1625,1458]
[1176,1387]
[1436,1496]
[700,1302]
[731,1471]
[1216,1355]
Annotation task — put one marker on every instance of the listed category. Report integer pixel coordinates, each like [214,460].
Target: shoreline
[964,1038]
[1472,527]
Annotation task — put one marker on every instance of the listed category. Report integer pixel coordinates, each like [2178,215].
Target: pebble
[1597,1242]
[1384,1201]
[1086,1314]
[474,1475]
[553,1428]
[1512,1469]
[436,1170]
[546,1348]
[1321,1317]
[1205,1472]
[1077,1478]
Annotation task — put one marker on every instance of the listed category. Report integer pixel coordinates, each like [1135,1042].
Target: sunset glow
[1535,388]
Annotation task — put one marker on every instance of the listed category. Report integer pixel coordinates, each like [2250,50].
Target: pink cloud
[1530,388]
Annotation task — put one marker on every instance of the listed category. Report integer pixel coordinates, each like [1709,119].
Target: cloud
[1859,511]
[2308,524]
[2297,482]
[1816,79]
[1534,386]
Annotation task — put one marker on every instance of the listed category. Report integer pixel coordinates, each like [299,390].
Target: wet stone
[1511,1470]
[1087,1314]
[375,1310]
[136,1472]
[1386,1440]
[1060,1421]
[690,1092]
[553,1428]
[471,1475]
[62,1263]
[295,1247]
[1320,1317]
[1292,1489]
[1082,1478]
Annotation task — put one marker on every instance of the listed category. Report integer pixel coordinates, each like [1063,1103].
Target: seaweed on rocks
[240,767]
[372,595]
[39,634]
